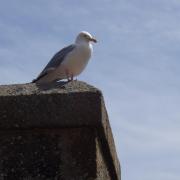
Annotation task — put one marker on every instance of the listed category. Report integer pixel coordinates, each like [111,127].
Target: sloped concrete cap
[69,111]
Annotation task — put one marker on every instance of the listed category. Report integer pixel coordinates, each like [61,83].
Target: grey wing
[56,60]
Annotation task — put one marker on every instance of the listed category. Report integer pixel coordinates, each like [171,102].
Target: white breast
[77,60]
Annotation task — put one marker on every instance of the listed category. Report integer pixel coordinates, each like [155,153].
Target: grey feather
[56,60]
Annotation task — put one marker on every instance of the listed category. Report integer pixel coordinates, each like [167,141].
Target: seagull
[69,61]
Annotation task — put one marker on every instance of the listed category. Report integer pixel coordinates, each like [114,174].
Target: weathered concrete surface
[55,132]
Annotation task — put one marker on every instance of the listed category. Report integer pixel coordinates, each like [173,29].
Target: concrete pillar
[55,132]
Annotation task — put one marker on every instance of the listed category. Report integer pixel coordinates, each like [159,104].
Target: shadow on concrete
[48,86]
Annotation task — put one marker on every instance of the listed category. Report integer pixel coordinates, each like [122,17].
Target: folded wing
[56,61]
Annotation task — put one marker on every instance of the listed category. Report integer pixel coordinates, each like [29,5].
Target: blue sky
[136,65]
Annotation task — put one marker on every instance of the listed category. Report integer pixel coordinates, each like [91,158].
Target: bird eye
[85,35]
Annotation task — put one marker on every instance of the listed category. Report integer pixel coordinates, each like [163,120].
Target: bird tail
[39,77]
[34,80]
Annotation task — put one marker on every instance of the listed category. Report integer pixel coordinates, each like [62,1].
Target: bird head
[85,37]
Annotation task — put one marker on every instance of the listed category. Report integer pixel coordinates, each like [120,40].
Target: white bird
[69,61]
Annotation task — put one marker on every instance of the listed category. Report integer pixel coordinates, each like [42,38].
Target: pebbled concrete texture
[55,131]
